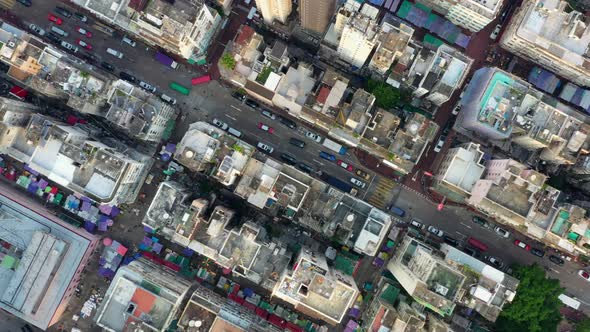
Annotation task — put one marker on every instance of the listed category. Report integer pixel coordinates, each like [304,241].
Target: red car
[266,128]
[83,44]
[84,32]
[55,19]
[522,245]
[344,165]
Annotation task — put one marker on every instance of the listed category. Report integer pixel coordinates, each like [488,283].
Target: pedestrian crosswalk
[382,194]
[8,4]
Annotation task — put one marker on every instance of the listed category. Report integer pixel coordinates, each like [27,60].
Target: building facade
[274,10]
[549,34]
[359,36]
[316,14]
[473,15]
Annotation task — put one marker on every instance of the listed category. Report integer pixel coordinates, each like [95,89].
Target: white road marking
[319,162]
[231,117]
[466,225]
[554,270]
[461,234]
[237,109]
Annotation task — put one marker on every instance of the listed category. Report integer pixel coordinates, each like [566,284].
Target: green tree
[536,306]
[583,325]
[228,61]
[386,96]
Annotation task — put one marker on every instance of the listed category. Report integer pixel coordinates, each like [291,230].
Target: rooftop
[381,130]
[170,200]
[199,146]
[465,168]
[39,258]
[409,143]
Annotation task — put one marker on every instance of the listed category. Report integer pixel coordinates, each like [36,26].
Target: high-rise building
[41,259]
[549,34]
[316,14]
[473,15]
[272,10]
[359,36]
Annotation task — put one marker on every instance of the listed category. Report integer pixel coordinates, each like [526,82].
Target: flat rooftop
[39,257]
[512,196]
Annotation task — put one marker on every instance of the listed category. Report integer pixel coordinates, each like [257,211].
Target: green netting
[344,264]
[390,294]
[423,7]
[432,40]
[404,9]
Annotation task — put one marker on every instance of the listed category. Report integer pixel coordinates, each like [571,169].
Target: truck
[166,60]
[337,183]
[571,302]
[335,146]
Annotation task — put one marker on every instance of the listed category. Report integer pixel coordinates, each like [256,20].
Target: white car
[440,143]
[69,46]
[496,32]
[265,147]
[147,86]
[435,231]
[415,223]
[496,262]
[220,124]
[128,41]
[456,109]
[37,30]
[584,275]
[358,183]
[502,232]
[313,136]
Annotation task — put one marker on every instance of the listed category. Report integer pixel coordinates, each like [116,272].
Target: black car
[26,3]
[127,77]
[63,12]
[297,142]
[252,103]
[238,96]
[557,260]
[305,168]
[81,17]
[288,158]
[53,37]
[107,66]
[471,251]
[480,221]
[287,122]
[537,252]
[451,240]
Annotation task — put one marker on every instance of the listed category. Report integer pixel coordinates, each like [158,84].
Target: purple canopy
[147,241]
[157,247]
[187,252]
[102,226]
[170,147]
[85,206]
[115,211]
[105,208]
[32,171]
[43,184]
[89,226]
[147,229]
[354,312]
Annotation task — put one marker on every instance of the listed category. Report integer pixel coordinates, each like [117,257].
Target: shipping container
[166,60]
[179,88]
[201,80]
[334,146]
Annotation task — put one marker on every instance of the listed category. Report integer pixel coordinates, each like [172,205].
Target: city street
[213,101]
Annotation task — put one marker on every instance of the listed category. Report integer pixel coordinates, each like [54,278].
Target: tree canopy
[536,306]
[386,96]
[583,325]
[228,61]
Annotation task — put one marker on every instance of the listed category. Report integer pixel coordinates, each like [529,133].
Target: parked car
[537,252]
[358,183]
[26,3]
[362,174]
[238,96]
[456,109]
[478,244]
[288,158]
[81,17]
[496,32]
[313,136]
[502,232]
[147,86]
[115,53]
[297,142]
[327,156]
[522,245]
[37,30]
[266,128]
[265,147]
[129,41]
[480,221]
[268,114]
[497,263]
[220,124]
[435,231]
[450,240]
[416,224]
[69,47]
[344,165]
[585,275]
[440,143]
[84,32]
[556,260]
[471,251]
[252,103]
[287,122]
[83,44]
[107,66]
[127,77]
[63,12]
[53,37]
[55,19]
[305,168]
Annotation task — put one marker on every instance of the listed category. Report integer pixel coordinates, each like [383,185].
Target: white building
[548,33]
[393,39]
[359,36]
[473,15]
[460,169]
[272,10]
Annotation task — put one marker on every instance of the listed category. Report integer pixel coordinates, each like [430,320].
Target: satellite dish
[189,154]
[350,217]
[198,323]
[191,323]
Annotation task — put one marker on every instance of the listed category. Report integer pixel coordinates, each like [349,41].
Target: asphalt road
[214,101]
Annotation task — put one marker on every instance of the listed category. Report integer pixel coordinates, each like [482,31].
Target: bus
[179,88]
[571,302]
[201,80]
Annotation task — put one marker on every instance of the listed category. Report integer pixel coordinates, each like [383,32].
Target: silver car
[265,147]
[147,86]
[435,231]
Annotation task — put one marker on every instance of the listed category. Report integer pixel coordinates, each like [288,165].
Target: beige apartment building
[272,10]
[316,14]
